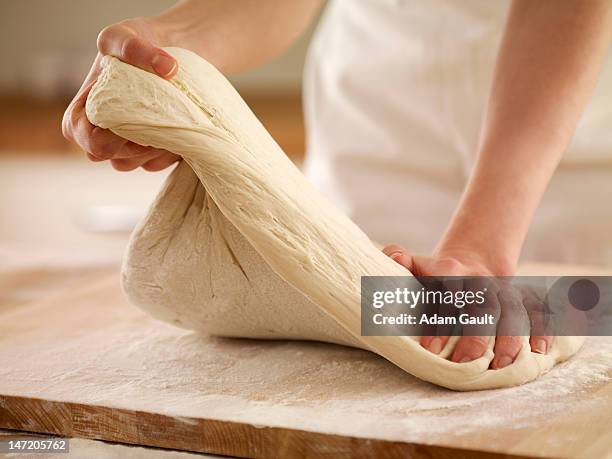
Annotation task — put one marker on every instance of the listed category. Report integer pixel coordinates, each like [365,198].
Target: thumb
[399,255]
[124,43]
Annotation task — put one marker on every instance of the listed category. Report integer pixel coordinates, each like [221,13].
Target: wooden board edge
[205,435]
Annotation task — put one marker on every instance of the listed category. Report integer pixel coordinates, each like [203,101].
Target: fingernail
[163,65]
[504,361]
[541,347]
[465,359]
[435,346]
[395,255]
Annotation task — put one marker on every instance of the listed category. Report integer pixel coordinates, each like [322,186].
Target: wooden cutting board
[77,360]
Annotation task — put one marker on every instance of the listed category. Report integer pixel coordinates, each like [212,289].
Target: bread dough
[238,243]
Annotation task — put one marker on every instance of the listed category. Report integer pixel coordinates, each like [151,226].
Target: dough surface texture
[238,243]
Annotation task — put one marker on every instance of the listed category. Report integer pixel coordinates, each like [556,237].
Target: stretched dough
[238,243]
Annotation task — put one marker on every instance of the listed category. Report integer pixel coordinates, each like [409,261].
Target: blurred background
[54,204]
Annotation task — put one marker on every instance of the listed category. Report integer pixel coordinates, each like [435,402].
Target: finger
[73,127]
[434,344]
[476,326]
[161,162]
[134,150]
[98,142]
[123,42]
[506,349]
[80,131]
[470,348]
[130,162]
[422,267]
[536,310]
[93,158]
[514,320]
[449,274]
[540,344]
[399,255]
[436,337]
[483,313]
[512,326]
[392,249]
[126,165]
[104,144]
[76,108]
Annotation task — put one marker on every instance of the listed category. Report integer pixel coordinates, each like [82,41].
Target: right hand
[135,42]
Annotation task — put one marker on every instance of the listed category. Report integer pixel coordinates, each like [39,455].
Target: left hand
[468,348]
[136,42]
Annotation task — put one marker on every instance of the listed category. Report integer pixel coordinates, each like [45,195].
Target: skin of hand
[234,36]
[548,63]
[468,348]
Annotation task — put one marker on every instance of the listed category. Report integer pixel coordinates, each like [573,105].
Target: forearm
[235,35]
[547,68]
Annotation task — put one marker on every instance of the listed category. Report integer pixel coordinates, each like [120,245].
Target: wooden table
[77,360]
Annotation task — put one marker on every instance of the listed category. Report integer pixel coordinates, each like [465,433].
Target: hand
[468,348]
[136,42]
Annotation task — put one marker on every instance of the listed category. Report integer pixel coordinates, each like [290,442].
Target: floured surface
[87,345]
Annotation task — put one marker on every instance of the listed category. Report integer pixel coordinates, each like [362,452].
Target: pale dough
[238,243]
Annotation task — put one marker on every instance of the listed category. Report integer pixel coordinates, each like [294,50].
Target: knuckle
[512,344]
[392,248]
[93,158]
[476,341]
[448,266]
[105,36]
[533,305]
[509,297]
[133,149]
[123,165]
[515,341]
[159,163]
[100,146]
[152,166]
[131,49]
[488,307]
[102,149]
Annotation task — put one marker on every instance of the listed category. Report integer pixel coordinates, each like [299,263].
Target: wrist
[487,227]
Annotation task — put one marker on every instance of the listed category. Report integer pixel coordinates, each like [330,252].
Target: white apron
[394,96]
